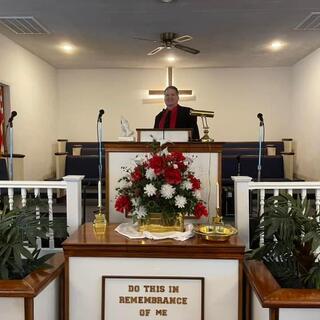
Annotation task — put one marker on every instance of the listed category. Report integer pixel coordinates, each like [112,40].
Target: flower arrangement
[160,182]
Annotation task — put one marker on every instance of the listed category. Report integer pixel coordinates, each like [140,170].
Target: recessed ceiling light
[277,45]
[166,1]
[171,58]
[67,47]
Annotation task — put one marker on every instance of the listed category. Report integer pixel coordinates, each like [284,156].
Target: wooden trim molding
[15,155]
[287,153]
[176,146]
[60,153]
[271,295]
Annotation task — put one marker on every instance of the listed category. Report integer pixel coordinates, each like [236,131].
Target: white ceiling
[228,33]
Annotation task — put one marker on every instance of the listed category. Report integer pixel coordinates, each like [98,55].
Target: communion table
[112,277]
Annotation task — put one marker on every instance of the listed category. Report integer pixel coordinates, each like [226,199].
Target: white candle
[99,194]
[218,195]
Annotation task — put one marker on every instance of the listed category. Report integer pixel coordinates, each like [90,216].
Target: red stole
[173,118]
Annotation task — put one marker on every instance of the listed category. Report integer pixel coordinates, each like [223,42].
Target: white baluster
[276,192]
[51,239]
[303,196]
[10,196]
[36,194]
[290,192]
[23,197]
[317,201]
[262,202]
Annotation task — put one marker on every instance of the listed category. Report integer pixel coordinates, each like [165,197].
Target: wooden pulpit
[206,165]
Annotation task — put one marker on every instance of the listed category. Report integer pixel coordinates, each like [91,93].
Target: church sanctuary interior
[107,212]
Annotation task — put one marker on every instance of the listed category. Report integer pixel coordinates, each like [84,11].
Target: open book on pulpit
[172,135]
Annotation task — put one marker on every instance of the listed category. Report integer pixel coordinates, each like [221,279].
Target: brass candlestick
[100,222]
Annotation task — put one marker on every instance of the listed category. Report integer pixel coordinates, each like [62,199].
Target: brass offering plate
[218,232]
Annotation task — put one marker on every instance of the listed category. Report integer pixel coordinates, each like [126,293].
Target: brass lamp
[204,115]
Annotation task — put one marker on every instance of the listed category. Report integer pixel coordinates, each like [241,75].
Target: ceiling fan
[171,40]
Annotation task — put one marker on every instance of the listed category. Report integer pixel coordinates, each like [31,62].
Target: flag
[1,120]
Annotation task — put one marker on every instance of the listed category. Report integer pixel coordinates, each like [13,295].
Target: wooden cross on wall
[170,83]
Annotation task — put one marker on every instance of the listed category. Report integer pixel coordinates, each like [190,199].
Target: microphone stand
[100,221]
[10,124]
[261,139]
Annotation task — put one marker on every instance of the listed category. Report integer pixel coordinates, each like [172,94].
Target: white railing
[18,190]
[242,187]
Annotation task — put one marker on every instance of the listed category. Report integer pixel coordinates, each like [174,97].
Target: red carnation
[157,164]
[176,156]
[172,176]
[182,166]
[200,210]
[136,175]
[195,182]
[123,204]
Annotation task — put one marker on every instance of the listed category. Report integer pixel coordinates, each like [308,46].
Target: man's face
[171,98]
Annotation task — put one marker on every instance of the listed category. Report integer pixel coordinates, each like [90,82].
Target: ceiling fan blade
[156,50]
[145,39]
[183,38]
[187,49]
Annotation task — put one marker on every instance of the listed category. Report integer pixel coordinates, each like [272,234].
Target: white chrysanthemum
[135,202]
[164,152]
[186,185]
[167,191]
[139,159]
[124,184]
[150,190]
[197,194]
[140,212]
[188,161]
[150,175]
[180,201]
[175,166]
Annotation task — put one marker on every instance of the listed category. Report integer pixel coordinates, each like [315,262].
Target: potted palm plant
[28,278]
[285,270]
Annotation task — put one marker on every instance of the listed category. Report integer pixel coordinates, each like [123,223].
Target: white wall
[118,91]
[236,96]
[33,95]
[306,116]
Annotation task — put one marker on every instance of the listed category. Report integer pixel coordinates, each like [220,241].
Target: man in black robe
[176,116]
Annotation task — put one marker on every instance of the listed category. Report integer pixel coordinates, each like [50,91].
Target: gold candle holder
[217,219]
[100,222]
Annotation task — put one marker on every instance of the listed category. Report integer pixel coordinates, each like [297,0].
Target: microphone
[260,117]
[13,114]
[101,113]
